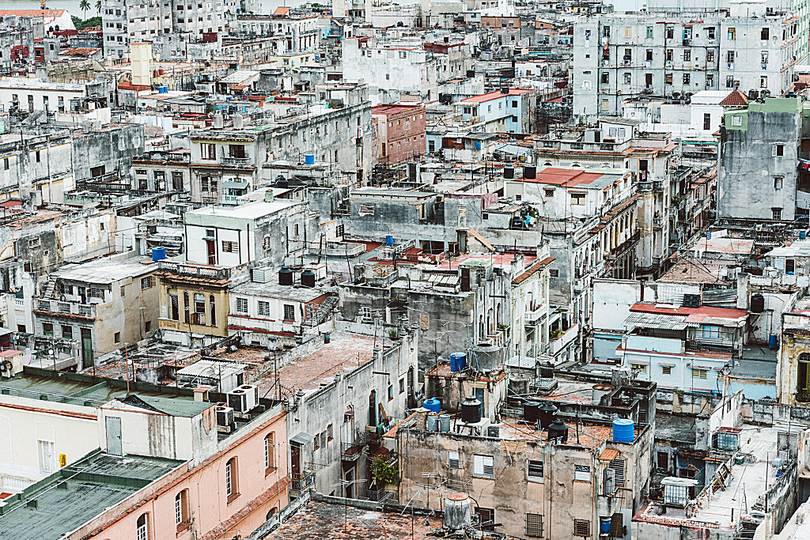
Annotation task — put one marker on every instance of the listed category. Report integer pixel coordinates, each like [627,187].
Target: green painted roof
[74,495]
[176,407]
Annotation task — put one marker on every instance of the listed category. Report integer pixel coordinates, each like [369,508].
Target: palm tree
[98,6]
[84,5]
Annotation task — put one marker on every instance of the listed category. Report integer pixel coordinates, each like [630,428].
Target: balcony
[195,271]
[352,451]
[236,162]
[64,309]
[658,223]
[301,482]
[532,316]
[564,340]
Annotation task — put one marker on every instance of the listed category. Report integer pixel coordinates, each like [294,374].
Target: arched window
[182,513]
[232,478]
[270,450]
[213,304]
[142,528]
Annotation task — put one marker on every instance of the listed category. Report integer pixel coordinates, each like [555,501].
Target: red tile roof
[563,177]
[692,314]
[734,99]
[281,11]
[494,95]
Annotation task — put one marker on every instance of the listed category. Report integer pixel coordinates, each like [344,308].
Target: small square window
[452,460]
[118,337]
[666,370]
[535,469]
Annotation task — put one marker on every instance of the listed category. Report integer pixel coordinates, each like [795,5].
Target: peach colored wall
[206,490]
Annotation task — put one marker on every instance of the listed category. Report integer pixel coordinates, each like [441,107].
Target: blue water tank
[478,145]
[389,240]
[309,159]
[158,253]
[772,342]
[458,361]
[605,527]
[624,430]
[163,89]
[802,235]
[433,404]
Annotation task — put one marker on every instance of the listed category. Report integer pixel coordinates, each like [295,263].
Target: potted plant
[384,472]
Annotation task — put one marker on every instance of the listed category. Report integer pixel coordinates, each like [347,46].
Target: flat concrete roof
[107,270]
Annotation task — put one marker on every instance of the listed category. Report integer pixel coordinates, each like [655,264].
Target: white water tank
[457,511]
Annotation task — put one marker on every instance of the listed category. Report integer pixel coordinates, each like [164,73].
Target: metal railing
[236,161]
[302,481]
[192,270]
[65,308]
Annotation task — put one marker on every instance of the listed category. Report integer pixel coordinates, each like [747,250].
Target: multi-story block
[758,178]
[106,304]
[299,32]
[508,109]
[620,56]
[398,132]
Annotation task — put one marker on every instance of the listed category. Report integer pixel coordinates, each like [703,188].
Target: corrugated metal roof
[655,320]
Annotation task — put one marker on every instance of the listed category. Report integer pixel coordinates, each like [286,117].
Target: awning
[609,454]
[239,184]
[302,438]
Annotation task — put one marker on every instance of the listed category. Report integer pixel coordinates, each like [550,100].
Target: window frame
[481,463]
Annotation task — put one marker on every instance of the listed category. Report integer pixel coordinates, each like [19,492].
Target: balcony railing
[302,481]
[65,308]
[191,270]
[532,316]
[236,161]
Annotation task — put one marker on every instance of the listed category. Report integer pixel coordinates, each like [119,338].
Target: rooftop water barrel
[285,276]
[433,404]
[557,432]
[471,410]
[158,253]
[773,343]
[389,240]
[432,422]
[547,413]
[458,361]
[457,511]
[530,411]
[308,278]
[529,172]
[444,423]
[624,430]
[508,172]
[309,159]
[757,303]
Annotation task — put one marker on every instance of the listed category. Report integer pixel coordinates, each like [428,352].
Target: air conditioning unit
[224,415]
[238,401]
[494,431]
[252,392]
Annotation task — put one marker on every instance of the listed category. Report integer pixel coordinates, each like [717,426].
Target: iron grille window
[264,308]
[618,467]
[534,525]
[241,305]
[582,527]
[535,469]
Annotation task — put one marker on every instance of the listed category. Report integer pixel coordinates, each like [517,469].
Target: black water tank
[757,303]
[558,432]
[308,278]
[508,172]
[529,172]
[531,412]
[547,413]
[470,73]
[285,276]
[471,410]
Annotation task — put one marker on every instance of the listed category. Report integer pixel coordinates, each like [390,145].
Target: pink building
[398,132]
[168,469]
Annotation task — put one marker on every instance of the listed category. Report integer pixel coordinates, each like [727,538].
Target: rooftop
[107,270]
[580,178]
[77,493]
[251,211]
[702,314]
[331,521]
[495,95]
[272,289]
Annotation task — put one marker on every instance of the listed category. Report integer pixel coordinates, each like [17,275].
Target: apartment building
[621,56]
[617,143]
[299,31]
[125,22]
[392,70]
[107,304]
[508,110]
[758,178]
[398,133]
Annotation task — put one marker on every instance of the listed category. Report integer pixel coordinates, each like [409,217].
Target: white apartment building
[620,56]
[131,21]
[391,70]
